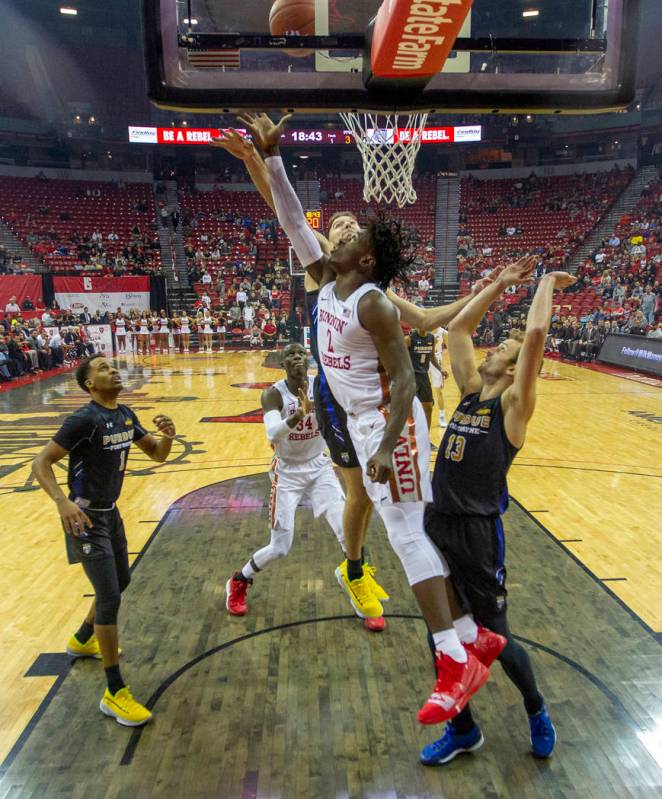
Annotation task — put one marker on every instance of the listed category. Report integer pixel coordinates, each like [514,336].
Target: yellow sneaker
[124,708]
[377,590]
[364,602]
[90,649]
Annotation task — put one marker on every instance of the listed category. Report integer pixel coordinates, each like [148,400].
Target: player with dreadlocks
[363,353]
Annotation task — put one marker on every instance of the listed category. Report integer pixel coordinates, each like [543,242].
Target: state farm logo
[146,135]
[473,133]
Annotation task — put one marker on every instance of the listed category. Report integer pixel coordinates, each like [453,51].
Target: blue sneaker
[451,744]
[543,734]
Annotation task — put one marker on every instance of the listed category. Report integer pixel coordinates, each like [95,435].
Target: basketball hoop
[388,144]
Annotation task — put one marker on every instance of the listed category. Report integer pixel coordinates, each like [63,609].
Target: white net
[388,144]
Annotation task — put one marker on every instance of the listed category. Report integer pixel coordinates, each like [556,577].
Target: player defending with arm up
[363,354]
[470,493]
[97,439]
[300,468]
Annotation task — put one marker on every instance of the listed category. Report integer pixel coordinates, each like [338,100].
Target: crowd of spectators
[546,216]
[73,227]
[625,270]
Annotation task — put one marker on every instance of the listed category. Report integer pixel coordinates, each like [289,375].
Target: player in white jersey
[437,376]
[300,468]
[359,333]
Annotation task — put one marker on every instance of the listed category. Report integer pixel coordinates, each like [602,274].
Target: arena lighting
[192,21]
[68,11]
[533,12]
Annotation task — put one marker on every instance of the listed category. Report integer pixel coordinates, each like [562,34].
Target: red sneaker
[487,647]
[376,625]
[235,595]
[456,684]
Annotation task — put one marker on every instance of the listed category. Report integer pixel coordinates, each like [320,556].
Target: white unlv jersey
[439,334]
[348,355]
[305,442]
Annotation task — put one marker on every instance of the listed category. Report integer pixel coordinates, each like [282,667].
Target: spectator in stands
[648,305]
[56,344]
[242,298]
[28,305]
[12,307]
[249,315]
[85,317]
[234,314]
[205,279]
[637,324]
[205,299]
[656,332]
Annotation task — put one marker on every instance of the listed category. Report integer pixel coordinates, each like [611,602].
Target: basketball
[293,16]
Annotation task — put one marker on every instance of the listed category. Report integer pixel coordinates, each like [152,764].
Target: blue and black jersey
[98,440]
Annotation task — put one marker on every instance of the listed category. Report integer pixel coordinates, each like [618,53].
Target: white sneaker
[442,420]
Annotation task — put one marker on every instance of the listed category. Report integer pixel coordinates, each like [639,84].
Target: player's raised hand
[73,518]
[380,466]
[305,403]
[561,279]
[165,426]
[519,272]
[266,134]
[234,143]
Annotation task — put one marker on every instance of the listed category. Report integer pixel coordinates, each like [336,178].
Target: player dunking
[300,468]
[97,439]
[362,349]
[365,594]
[470,491]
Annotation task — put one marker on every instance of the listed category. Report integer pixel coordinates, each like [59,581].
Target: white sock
[248,571]
[466,628]
[446,641]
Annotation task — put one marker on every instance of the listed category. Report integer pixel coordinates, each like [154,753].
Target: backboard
[535,56]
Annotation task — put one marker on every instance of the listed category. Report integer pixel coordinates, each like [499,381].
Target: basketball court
[296,699]
[285,701]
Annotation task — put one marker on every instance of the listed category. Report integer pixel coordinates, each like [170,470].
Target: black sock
[362,555]
[85,632]
[115,681]
[533,707]
[354,569]
[463,723]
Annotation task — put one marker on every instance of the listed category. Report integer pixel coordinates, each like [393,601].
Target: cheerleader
[185,327]
[120,332]
[154,330]
[163,328]
[132,331]
[143,334]
[175,326]
[207,330]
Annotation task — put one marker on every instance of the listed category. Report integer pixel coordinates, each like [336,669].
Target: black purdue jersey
[421,351]
[98,440]
[473,461]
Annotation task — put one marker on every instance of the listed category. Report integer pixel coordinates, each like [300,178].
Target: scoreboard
[314,218]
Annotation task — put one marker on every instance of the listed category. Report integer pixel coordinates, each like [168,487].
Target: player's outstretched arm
[158,448]
[272,405]
[460,330]
[234,143]
[74,519]
[380,319]
[266,136]
[519,400]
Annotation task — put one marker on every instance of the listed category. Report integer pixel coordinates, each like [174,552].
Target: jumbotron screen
[458,134]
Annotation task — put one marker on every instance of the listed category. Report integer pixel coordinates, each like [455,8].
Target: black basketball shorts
[332,421]
[475,549]
[423,387]
[106,538]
